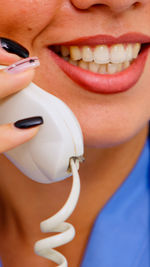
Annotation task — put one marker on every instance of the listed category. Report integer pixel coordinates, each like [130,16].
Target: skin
[114,133]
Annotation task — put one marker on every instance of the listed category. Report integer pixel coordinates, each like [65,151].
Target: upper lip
[133,37]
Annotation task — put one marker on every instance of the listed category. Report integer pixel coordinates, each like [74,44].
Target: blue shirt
[121,233]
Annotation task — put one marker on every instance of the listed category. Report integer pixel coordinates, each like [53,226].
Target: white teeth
[73,62]
[65,51]
[103,69]
[83,65]
[136,49]
[117,53]
[129,52]
[94,66]
[119,67]
[126,65]
[87,54]
[109,68]
[102,59]
[101,54]
[112,68]
[75,53]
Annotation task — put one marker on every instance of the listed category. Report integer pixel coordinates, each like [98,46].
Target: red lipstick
[108,39]
[106,83]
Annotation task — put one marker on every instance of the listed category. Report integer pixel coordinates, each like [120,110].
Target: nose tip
[116,6]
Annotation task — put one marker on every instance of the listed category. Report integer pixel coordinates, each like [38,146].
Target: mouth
[102,68]
[101,59]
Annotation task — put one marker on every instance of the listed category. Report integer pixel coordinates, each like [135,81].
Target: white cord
[56,223]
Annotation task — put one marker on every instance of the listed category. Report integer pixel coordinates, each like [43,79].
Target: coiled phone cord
[56,223]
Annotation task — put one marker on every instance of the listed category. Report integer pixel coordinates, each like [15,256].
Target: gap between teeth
[102,58]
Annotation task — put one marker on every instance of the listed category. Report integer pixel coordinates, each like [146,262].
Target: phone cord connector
[57,223]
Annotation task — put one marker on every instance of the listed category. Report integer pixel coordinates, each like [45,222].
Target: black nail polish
[14,48]
[29,122]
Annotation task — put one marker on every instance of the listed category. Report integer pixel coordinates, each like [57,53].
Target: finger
[7,59]
[11,136]
[11,51]
[18,76]
[10,84]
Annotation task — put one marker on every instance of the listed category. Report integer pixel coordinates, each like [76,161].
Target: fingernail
[29,122]
[23,65]
[14,47]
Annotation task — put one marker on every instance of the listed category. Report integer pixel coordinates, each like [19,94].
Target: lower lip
[105,83]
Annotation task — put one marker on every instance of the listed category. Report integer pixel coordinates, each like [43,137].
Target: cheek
[25,19]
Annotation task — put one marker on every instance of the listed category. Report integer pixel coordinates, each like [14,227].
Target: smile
[102,68]
[101,59]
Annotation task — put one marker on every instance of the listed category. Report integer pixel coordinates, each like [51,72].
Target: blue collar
[121,233]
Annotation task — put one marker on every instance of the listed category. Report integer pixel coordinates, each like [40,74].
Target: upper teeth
[103,54]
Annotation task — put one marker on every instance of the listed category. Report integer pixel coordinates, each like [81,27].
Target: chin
[110,135]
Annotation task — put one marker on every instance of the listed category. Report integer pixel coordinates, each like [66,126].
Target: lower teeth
[109,68]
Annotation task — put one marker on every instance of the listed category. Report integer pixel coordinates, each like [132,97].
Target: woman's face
[106,119]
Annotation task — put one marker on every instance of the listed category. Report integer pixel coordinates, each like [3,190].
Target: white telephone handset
[52,155]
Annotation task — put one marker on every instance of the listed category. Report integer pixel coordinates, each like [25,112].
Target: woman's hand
[10,135]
